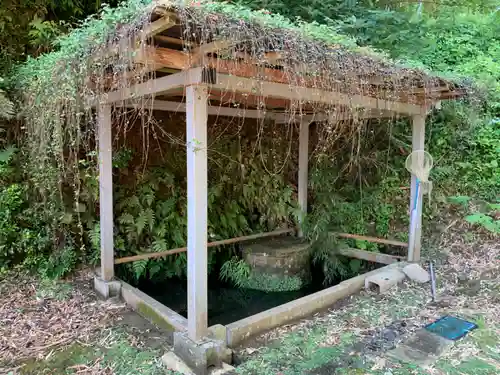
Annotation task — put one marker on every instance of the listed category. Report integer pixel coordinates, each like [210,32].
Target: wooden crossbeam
[370,256]
[227,83]
[170,106]
[158,26]
[156,86]
[169,39]
[278,90]
[215,46]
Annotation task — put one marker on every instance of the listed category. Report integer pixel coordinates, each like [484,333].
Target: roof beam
[155,86]
[350,115]
[215,46]
[230,83]
[158,26]
[170,106]
[279,117]
[169,39]
[278,90]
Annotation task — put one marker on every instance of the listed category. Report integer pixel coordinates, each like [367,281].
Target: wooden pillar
[197,192]
[418,143]
[303,170]
[106,192]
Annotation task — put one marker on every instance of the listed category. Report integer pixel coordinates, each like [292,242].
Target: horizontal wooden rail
[370,256]
[229,241]
[371,239]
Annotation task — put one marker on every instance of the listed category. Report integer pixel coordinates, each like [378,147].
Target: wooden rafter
[158,26]
[159,58]
[215,46]
[171,40]
[170,106]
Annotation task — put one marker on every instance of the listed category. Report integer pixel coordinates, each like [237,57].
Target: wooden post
[106,192]
[303,170]
[197,194]
[418,143]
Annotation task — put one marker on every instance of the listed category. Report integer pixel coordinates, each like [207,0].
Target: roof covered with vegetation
[334,59]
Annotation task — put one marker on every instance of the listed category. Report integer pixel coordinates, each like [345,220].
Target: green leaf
[159,245]
[139,268]
[7,153]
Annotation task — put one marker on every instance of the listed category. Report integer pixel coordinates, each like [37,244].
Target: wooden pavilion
[217,75]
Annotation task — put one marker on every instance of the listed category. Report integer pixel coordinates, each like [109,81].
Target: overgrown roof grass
[112,24]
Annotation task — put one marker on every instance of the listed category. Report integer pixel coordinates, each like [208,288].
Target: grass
[340,341]
[350,339]
[115,355]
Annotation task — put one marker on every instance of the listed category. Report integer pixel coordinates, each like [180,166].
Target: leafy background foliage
[369,196]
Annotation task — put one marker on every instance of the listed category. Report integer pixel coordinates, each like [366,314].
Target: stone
[107,289]
[383,281]
[224,370]
[174,363]
[286,258]
[218,332]
[423,348]
[199,356]
[416,273]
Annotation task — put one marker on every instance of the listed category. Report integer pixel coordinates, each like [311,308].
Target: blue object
[450,327]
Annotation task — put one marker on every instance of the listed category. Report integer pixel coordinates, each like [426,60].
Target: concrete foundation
[416,273]
[300,308]
[385,280]
[107,289]
[151,309]
[200,356]
[172,362]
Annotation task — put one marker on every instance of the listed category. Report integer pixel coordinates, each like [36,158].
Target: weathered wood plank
[279,90]
[106,192]
[418,143]
[303,170]
[370,256]
[197,194]
[158,85]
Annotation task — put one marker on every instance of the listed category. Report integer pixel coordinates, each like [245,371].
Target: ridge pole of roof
[197,212]
[106,192]
[418,143]
[303,170]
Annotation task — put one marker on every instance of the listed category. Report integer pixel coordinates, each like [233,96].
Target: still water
[226,303]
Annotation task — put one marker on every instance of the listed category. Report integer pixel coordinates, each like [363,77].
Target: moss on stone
[273,283]
[154,317]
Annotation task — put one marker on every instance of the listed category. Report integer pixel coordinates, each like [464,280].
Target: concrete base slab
[383,281]
[172,362]
[107,289]
[416,273]
[151,309]
[199,356]
[242,329]
[218,332]
[224,370]
[422,349]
